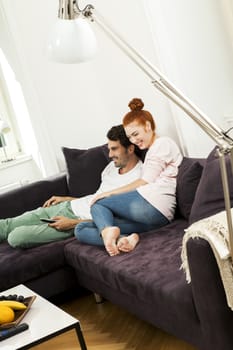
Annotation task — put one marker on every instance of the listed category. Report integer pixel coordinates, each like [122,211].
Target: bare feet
[127,244]
[110,235]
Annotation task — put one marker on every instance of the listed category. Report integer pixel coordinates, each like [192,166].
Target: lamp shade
[71,41]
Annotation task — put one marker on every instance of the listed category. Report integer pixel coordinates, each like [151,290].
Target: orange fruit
[6,314]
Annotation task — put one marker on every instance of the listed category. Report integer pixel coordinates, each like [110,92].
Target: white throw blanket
[214,230]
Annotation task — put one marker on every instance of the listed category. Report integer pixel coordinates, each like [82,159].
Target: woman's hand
[123,189]
[101,196]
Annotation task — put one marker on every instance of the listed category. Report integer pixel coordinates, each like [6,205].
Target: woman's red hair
[138,114]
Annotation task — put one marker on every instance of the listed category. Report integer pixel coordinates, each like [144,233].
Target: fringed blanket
[214,230]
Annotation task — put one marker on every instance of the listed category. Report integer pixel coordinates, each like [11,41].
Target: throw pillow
[187,181]
[209,198]
[84,169]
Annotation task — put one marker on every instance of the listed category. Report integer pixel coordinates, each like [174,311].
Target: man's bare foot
[110,235]
[127,244]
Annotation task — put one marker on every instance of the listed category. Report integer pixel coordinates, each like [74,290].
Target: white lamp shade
[72,41]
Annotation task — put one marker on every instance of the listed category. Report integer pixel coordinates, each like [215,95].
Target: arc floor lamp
[72,41]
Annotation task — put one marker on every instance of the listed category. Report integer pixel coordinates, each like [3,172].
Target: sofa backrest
[31,196]
[209,198]
[199,187]
[84,169]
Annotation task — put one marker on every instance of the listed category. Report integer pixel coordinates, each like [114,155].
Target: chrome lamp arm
[69,9]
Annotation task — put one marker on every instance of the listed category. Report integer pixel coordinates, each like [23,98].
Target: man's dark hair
[117,133]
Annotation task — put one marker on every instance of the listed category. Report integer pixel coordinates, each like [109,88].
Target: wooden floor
[108,327]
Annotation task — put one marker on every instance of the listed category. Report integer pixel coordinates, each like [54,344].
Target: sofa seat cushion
[151,273]
[22,265]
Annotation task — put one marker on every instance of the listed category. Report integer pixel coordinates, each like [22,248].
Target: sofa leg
[98,298]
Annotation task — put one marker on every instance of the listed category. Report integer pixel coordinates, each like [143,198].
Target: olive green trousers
[27,230]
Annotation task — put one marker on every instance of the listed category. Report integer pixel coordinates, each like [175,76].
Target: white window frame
[12,146]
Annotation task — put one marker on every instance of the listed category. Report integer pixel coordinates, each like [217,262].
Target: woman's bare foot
[127,244]
[110,235]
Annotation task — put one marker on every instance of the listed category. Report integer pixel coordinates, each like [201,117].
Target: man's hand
[55,200]
[63,223]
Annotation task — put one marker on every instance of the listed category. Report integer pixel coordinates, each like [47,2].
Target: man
[28,230]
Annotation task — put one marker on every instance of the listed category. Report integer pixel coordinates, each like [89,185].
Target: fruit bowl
[19,314]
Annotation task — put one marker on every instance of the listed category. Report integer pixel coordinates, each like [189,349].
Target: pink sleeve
[158,156]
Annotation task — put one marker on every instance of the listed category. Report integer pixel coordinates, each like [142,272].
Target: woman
[144,204]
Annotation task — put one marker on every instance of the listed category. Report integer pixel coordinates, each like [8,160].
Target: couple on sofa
[132,198]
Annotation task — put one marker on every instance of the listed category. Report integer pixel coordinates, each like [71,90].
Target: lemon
[6,314]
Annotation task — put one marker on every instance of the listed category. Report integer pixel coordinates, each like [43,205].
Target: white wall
[78,103]
[75,105]
[18,172]
[191,39]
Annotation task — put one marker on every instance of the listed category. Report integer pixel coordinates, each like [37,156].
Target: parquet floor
[108,327]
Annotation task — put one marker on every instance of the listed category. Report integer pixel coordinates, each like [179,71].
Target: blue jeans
[129,211]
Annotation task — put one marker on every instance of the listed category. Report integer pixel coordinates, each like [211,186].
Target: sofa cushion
[188,179]
[84,169]
[209,198]
[150,274]
[23,265]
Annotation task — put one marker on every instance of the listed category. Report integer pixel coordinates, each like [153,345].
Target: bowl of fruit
[13,308]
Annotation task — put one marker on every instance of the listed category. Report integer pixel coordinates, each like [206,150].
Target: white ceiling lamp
[72,39]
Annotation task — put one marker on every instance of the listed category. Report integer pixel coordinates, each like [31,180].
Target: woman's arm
[127,188]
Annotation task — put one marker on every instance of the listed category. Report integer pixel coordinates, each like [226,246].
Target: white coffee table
[45,321]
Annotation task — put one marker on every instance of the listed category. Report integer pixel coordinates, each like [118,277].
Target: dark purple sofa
[148,281]
[44,268]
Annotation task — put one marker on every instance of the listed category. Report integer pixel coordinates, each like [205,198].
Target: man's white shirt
[110,179]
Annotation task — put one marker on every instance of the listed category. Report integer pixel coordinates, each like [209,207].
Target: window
[11,103]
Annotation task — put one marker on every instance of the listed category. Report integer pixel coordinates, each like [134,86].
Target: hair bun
[136,104]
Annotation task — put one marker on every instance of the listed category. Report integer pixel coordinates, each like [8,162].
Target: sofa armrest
[31,196]
[215,316]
